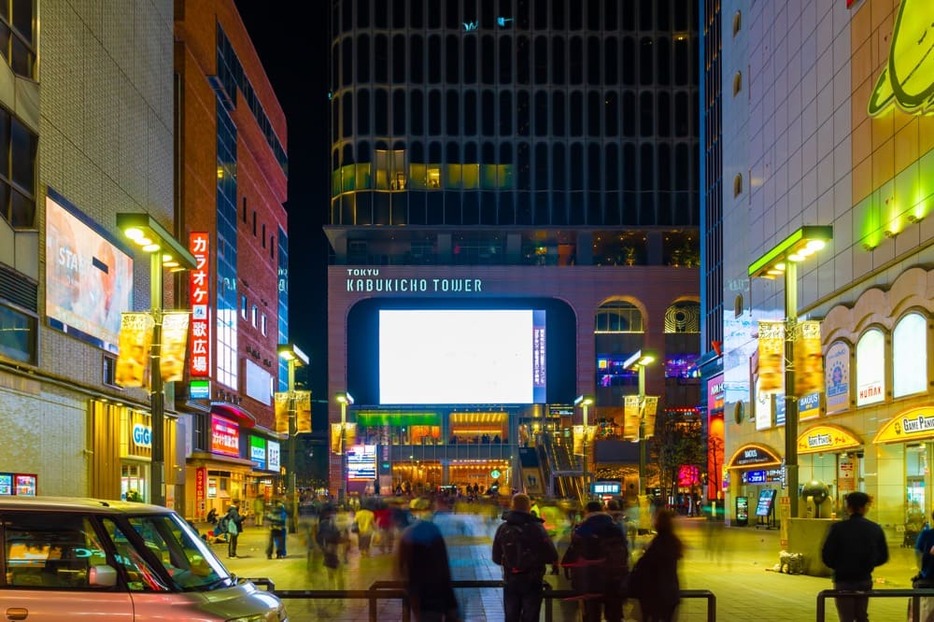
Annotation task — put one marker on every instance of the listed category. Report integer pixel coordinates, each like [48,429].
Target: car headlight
[279,615]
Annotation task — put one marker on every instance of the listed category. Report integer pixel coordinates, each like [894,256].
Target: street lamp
[344,399]
[638,362]
[584,401]
[164,252]
[783,260]
[294,356]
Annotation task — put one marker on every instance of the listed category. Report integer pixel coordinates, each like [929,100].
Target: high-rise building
[827,127]
[86,109]
[105,113]
[517,164]
[232,185]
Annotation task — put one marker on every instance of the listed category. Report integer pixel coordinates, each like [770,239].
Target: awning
[825,437]
[202,458]
[233,412]
[753,455]
[914,424]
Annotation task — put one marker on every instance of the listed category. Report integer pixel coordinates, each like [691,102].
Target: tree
[715,451]
[677,442]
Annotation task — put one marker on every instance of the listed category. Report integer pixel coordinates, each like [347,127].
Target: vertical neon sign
[199,294]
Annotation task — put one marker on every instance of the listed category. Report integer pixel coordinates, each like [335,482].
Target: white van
[117,561]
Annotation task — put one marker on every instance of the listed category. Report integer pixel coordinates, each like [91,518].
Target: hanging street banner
[809,359]
[631,417]
[174,346]
[771,356]
[135,344]
[649,409]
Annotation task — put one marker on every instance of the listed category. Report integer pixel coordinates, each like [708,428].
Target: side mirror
[102,576]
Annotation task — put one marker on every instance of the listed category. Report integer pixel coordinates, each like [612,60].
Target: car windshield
[184,560]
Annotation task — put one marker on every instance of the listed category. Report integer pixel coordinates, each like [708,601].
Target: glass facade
[227,301]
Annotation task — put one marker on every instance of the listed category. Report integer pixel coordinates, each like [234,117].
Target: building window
[738,185]
[910,355]
[244,210]
[243,306]
[264,236]
[618,317]
[18,148]
[17,29]
[108,371]
[737,83]
[737,22]
[254,313]
[254,224]
[263,326]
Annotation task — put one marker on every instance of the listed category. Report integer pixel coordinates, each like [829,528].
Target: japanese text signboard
[200,296]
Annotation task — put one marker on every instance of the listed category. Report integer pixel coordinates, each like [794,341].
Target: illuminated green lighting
[803,242]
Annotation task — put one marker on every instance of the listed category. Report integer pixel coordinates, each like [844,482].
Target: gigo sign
[142,435]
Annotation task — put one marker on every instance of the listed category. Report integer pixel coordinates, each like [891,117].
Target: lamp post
[638,363]
[584,401]
[294,356]
[783,260]
[344,399]
[164,252]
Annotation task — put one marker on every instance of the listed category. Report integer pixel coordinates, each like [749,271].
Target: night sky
[292,42]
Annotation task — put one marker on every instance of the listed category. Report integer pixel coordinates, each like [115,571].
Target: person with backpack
[234,524]
[598,558]
[522,547]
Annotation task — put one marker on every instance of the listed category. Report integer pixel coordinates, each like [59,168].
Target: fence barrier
[913,595]
[383,590]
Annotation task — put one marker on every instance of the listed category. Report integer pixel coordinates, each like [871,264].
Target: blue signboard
[755,477]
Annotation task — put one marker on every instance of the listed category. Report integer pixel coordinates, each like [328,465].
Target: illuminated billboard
[361,463]
[89,278]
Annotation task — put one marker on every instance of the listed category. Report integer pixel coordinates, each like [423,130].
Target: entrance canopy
[826,438]
[753,455]
[914,424]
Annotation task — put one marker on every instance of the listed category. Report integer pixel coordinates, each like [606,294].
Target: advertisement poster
[273,456]
[135,343]
[631,417]
[89,279]
[6,484]
[225,436]
[771,354]
[361,463]
[809,359]
[837,377]
[25,484]
[258,451]
[766,500]
[174,345]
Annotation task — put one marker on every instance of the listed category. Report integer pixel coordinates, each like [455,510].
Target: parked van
[117,561]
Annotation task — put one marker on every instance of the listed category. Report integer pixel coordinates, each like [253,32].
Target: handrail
[395,590]
[914,594]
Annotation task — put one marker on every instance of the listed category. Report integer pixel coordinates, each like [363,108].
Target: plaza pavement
[735,563]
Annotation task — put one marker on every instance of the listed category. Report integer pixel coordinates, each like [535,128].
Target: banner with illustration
[349,434]
[631,417]
[174,345]
[303,412]
[649,410]
[809,359]
[135,344]
[837,377]
[771,356]
[282,413]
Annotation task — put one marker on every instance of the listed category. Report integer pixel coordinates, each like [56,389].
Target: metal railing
[383,590]
[915,595]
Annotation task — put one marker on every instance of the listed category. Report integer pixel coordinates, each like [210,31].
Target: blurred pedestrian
[522,547]
[329,538]
[364,521]
[422,564]
[276,517]
[259,510]
[598,559]
[924,551]
[234,524]
[852,549]
[654,579]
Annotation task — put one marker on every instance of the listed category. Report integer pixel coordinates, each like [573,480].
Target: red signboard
[201,478]
[200,295]
[225,436]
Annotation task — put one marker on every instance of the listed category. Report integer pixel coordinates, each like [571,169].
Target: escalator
[564,470]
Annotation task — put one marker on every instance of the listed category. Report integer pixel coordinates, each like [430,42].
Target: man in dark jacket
[423,566]
[852,549]
[522,547]
[599,561]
